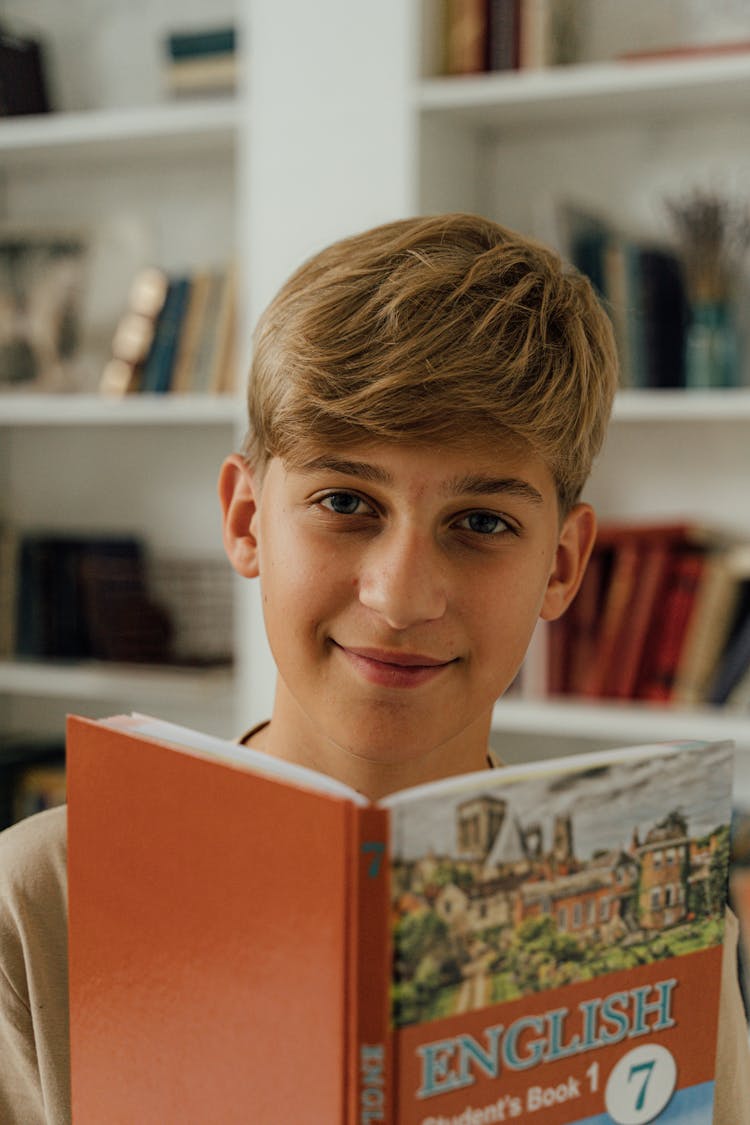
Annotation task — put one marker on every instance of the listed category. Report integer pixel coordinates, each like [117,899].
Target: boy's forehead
[462,459]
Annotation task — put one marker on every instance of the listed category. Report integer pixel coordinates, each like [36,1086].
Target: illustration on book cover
[553,939]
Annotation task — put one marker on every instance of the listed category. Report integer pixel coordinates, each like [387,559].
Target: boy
[425,403]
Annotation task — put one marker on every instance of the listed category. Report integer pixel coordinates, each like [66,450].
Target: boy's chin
[395,746]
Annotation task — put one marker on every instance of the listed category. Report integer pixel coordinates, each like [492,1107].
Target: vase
[711,350]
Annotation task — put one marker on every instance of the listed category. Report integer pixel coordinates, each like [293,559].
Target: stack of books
[177,334]
[663,615]
[202,61]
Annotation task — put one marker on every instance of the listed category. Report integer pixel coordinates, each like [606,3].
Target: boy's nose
[404,580]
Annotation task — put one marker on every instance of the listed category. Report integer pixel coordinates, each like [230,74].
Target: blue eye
[484,523]
[343,503]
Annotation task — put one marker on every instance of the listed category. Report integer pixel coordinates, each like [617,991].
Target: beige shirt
[34,1052]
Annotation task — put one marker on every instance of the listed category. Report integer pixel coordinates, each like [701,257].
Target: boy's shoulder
[33,853]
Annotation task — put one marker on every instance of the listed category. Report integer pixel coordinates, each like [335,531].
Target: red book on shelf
[620,593]
[252,941]
[670,625]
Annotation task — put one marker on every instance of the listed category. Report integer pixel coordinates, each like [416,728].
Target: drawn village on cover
[556,878]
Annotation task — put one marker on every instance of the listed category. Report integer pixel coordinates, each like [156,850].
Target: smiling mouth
[394,669]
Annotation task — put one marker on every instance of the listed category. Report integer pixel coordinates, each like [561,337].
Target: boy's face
[400,589]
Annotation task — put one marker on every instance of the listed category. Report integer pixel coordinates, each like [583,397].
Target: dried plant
[713,234]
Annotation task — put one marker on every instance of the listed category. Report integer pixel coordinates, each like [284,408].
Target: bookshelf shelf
[133,410]
[623,722]
[151,685]
[168,129]
[589,92]
[685,406]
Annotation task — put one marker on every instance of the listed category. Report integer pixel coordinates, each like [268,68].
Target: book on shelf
[24,86]
[201,42]
[158,365]
[531,939]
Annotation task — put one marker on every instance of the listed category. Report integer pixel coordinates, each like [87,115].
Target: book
[534,38]
[193,326]
[669,626]
[726,572]
[199,42]
[222,376]
[503,34]
[203,74]
[733,663]
[535,939]
[466,37]
[24,88]
[156,377]
[199,379]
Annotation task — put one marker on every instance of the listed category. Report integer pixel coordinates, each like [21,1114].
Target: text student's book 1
[253,941]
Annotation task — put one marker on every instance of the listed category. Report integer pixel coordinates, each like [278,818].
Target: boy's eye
[483,523]
[345,504]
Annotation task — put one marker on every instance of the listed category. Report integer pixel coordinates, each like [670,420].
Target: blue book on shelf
[194,44]
[159,364]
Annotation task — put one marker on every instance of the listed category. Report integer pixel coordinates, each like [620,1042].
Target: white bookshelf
[154,180]
[338,139]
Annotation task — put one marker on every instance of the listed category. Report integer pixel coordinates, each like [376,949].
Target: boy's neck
[290,737]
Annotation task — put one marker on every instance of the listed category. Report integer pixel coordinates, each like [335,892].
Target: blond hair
[447,330]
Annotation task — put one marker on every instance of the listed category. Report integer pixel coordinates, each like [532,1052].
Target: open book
[253,942]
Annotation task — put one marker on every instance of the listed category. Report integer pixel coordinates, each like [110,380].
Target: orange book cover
[252,941]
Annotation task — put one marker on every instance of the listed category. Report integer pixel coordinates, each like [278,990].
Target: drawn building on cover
[550,881]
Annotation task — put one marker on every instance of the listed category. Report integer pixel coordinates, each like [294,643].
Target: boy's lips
[391,668]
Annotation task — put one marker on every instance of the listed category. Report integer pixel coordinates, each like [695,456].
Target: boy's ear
[573,552]
[238,493]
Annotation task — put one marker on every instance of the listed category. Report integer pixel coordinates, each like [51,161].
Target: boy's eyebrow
[477,484]
[480,484]
[362,469]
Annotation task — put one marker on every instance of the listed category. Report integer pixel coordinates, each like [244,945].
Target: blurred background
[164,166]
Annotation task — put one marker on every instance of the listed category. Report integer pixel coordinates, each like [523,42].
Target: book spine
[370,1086]
[157,370]
[190,45]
